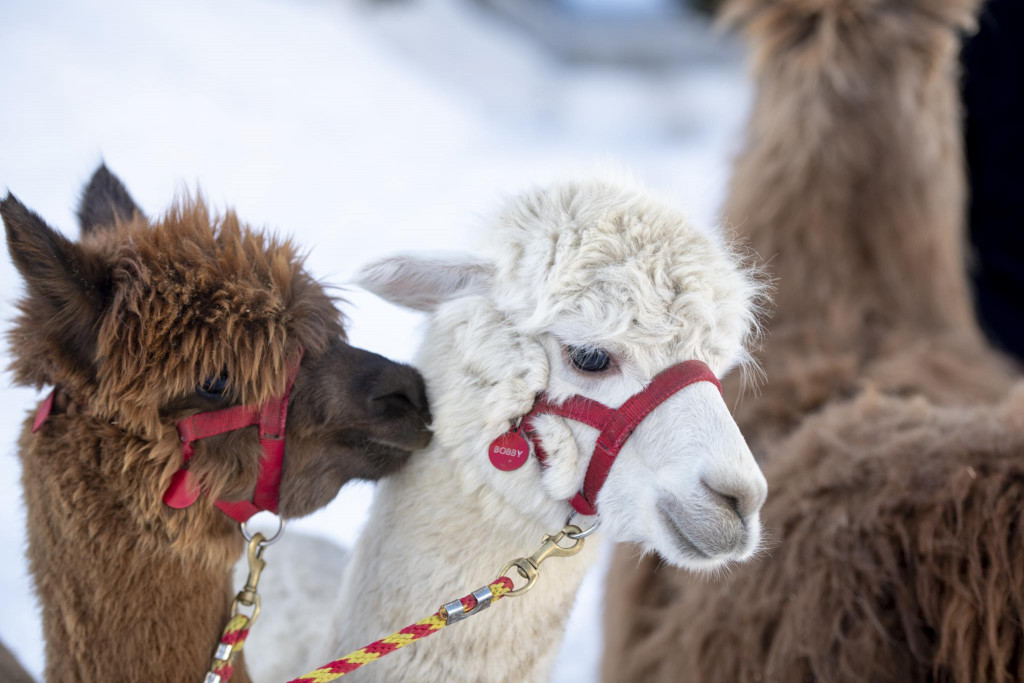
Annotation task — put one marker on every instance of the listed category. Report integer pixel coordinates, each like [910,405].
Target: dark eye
[213,387]
[588,358]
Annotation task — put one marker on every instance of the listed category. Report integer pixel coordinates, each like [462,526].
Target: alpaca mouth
[386,458]
[384,455]
[403,438]
[682,540]
[716,537]
[409,442]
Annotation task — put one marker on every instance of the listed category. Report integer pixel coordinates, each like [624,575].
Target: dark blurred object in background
[993,93]
[644,33]
[706,6]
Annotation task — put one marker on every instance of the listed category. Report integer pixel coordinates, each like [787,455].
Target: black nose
[398,390]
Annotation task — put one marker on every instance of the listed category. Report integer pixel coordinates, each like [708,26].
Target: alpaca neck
[118,602]
[433,537]
[851,187]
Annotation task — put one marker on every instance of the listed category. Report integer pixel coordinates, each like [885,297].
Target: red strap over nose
[271,418]
[615,425]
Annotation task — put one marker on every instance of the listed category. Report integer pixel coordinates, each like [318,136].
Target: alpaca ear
[105,201]
[423,283]
[67,287]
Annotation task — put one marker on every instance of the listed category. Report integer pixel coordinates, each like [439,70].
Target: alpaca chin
[705,537]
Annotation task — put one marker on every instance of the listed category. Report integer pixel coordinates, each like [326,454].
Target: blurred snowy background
[360,128]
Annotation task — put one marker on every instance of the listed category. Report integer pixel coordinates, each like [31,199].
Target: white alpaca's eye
[589,358]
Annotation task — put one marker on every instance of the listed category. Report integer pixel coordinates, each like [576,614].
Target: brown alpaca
[889,432]
[11,670]
[140,324]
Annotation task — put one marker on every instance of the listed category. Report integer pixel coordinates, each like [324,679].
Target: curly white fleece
[593,263]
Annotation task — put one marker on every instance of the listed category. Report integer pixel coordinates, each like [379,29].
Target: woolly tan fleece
[891,435]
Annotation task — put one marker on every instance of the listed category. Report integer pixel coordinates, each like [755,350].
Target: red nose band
[270,417]
[615,425]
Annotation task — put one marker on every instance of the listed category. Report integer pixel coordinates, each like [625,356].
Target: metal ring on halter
[585,532]
[269,541]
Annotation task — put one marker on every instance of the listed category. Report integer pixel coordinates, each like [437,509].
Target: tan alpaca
[890,434]
[11,670]
[139,325]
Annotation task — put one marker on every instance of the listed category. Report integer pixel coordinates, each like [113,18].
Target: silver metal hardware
[585,532]
[269,541]
[455,612]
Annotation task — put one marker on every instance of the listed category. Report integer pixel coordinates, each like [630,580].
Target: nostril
[726,501]
[402,392]
[395,402]
[732,499]
[734,503]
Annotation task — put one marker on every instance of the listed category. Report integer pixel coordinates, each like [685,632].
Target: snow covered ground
[359,130]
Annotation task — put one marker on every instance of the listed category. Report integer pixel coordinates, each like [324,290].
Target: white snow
[360,130]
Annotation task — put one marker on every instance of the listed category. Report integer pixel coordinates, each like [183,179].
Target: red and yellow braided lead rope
[421,629]
[231,643]
[232,639]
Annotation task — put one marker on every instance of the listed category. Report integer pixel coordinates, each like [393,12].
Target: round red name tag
[509,451]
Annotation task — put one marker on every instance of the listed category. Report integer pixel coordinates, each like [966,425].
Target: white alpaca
[590,265]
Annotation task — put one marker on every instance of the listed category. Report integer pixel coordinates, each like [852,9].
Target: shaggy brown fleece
[11,670]
[851,187]
[892,452]
[900,558]
[128,324]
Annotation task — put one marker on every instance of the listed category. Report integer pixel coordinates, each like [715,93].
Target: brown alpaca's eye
[213,387]
[589,358]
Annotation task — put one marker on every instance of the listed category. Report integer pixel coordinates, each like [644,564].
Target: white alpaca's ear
[424,282]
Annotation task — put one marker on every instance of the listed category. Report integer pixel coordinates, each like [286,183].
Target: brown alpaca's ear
[105,201]
[67,287]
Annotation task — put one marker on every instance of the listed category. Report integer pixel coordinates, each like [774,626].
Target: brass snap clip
[248,597]
[529,567]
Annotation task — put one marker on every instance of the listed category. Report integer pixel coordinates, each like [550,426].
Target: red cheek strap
[271,418]
[615,425]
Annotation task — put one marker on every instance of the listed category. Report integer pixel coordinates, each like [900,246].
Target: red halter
[270,418]
[615,425]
